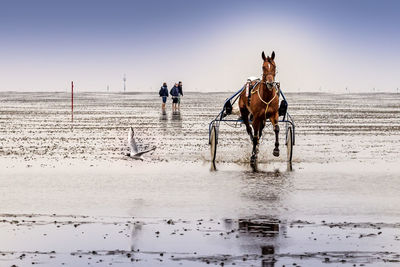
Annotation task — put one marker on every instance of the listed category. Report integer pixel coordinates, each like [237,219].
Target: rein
[259,96]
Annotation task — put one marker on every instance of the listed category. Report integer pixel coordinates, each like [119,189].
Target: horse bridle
[270,85]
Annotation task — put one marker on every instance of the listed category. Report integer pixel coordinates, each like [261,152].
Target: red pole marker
[72,101]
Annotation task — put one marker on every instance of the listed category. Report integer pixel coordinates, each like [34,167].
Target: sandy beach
[69,196]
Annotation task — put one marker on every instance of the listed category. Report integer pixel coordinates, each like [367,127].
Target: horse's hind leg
[274,120]
[257,124]
[244,112]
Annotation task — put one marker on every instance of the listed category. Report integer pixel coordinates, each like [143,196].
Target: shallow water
[330,127]
[343,189]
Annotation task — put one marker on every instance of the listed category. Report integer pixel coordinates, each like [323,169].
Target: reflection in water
[251,240]
[269,251]
[270,188]
[135,235]
[176,116]
[254,232]
[268,262]
[176,119]
[266,228]
[163,120]
[262,226]
[164,116]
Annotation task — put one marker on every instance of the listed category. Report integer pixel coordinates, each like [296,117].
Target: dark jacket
[180,90]
[174,91]
[163,91]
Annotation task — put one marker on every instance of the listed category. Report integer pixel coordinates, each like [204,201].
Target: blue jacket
[174,91]
[163,91]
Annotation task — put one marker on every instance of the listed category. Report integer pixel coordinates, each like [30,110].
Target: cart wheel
[289,144]
[213,143]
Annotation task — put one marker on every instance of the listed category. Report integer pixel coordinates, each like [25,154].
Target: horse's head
[269,67]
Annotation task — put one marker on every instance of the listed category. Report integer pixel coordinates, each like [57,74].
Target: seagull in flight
[134,152]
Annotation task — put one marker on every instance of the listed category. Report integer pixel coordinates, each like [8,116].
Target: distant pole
[72,101]
[124,79]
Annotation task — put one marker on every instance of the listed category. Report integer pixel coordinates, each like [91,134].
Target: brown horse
[264,103]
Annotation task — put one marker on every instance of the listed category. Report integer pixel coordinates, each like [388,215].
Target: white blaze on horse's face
[269,71]
[269,68]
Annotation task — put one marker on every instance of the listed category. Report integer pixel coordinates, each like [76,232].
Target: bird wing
[137,158]
[139,154]
[132,144]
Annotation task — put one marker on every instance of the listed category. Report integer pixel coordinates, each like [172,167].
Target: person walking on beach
[164,94]
[175,97]
[180,94]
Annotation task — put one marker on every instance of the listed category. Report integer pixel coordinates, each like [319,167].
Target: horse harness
[270,87]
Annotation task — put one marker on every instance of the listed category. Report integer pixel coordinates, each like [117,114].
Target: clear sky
[209,45]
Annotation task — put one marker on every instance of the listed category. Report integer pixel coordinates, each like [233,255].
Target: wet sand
[70,197]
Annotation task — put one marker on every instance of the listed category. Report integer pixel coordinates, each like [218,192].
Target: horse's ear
[273,55]
[263,56]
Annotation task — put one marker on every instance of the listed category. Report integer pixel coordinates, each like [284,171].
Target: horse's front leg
[274,120]
[261,128]
[256,138]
